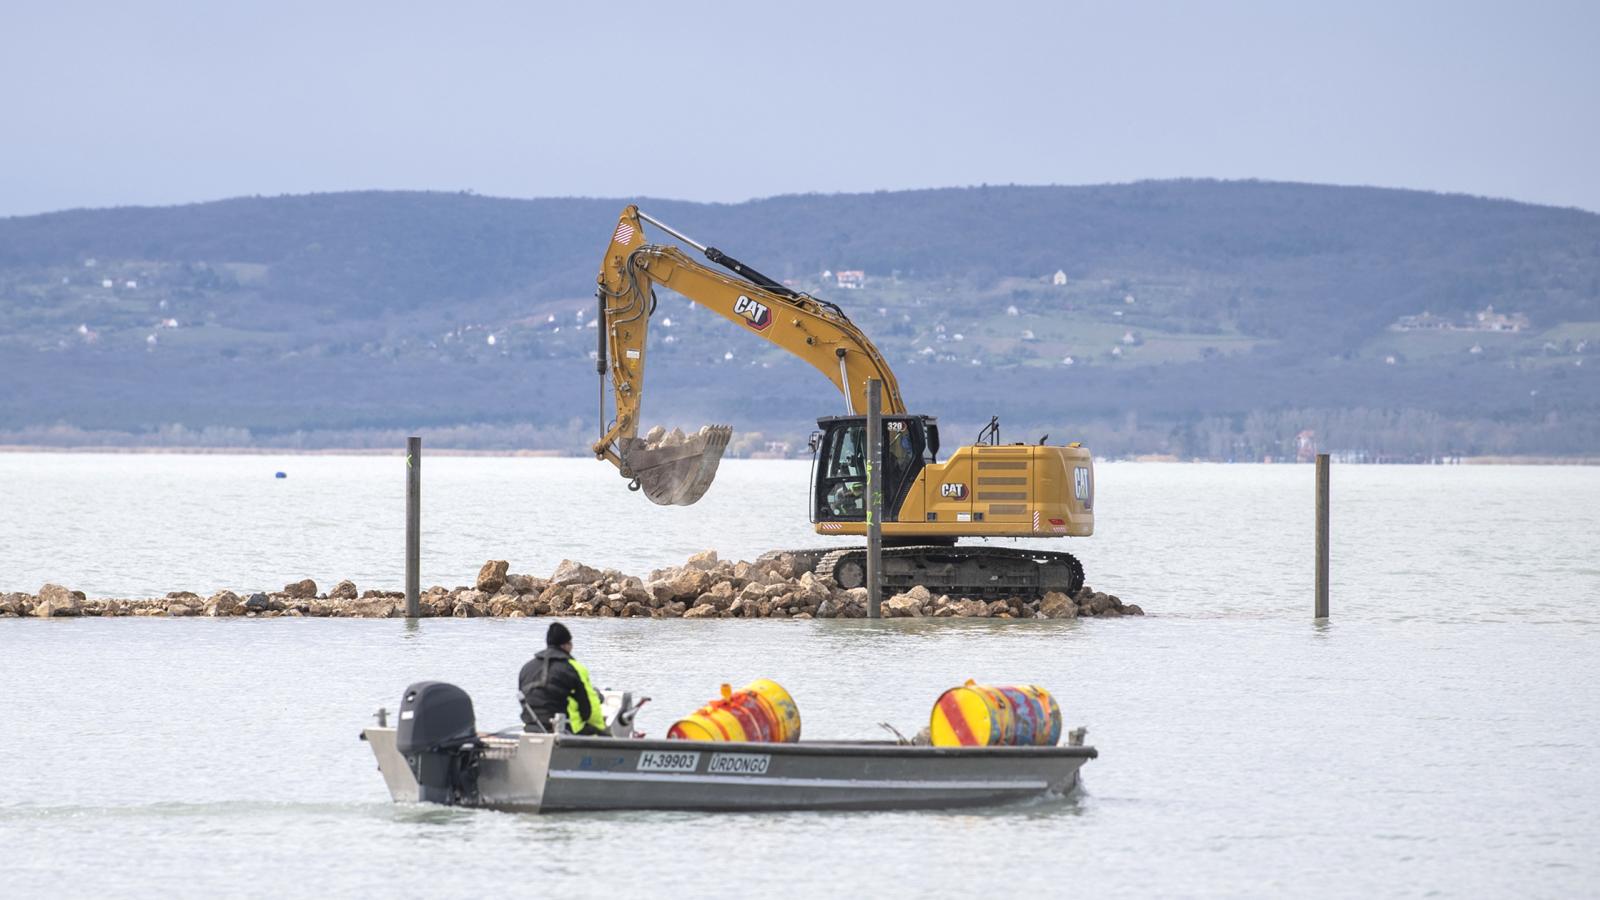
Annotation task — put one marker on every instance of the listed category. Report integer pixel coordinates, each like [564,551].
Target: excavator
[986,489]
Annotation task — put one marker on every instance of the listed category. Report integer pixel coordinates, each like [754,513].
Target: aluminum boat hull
[546,773]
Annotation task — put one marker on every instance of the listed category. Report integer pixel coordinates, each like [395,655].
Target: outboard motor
[438,736]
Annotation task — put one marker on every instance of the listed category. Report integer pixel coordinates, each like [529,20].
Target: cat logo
[1082,488]
[756,315]
[956,491]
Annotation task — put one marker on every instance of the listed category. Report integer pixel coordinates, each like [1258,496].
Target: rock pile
[703,588]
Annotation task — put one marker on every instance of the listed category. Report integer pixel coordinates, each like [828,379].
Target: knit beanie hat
[557,635]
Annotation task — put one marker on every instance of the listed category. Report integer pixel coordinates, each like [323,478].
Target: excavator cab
[839,466]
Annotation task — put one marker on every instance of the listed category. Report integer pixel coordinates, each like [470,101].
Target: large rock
[702,611]
[916,602]
[902,606]
[571,572]
[55,600]
[852,603]
[344,590]
[555,598]
[370,608]
[224,603]
[257,603]
[304,589]
[720,595]
[705,559]
[15,604]
[1057,605]
[813,591]
[781,566]
[970,609]
[492,577]
[527,584]
[632,593]
[688,584]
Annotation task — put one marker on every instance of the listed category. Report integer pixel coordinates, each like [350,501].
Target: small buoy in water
[281,475]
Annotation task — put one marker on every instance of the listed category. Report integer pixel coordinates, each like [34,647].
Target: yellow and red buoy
[981,715]
[761,712]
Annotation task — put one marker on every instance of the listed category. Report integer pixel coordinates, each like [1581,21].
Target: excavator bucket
[674,469]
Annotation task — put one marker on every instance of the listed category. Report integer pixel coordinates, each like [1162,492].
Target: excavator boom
[673,468]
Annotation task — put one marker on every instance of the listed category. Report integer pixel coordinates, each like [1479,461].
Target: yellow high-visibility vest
[597,719]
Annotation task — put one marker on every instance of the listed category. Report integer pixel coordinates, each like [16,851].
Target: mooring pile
[703,588]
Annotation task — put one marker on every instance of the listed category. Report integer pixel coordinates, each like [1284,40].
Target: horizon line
[469,192]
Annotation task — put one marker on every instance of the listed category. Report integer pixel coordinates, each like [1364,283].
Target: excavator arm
[678,471]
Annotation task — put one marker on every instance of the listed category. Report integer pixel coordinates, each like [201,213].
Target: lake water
[1438,737]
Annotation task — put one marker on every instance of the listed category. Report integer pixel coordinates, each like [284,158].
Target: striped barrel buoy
[760,712]
[981,715]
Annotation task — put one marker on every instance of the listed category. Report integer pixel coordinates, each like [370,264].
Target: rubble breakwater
[705,587]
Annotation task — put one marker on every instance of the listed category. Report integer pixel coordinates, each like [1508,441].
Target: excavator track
[960,570]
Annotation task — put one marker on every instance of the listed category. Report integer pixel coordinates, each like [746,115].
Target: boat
[435,755]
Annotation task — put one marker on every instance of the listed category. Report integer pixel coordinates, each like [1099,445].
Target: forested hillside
[1190,317]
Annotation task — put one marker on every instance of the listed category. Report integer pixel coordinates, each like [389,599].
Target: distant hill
[1197,317]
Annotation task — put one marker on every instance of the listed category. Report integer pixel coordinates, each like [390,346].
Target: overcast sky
[134,102]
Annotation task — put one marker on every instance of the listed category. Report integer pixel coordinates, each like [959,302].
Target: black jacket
[548,696]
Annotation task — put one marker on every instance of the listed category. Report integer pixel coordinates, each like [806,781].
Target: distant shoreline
[284,451]
[562,454]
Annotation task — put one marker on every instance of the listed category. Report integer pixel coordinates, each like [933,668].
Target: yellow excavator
[983,490]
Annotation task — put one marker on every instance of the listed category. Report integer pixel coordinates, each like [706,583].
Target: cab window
[842,487]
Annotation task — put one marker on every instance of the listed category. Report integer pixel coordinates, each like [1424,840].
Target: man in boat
[554,683]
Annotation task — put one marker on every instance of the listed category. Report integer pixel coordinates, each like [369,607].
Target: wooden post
[1322,536]
[874,497]
[413,524]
